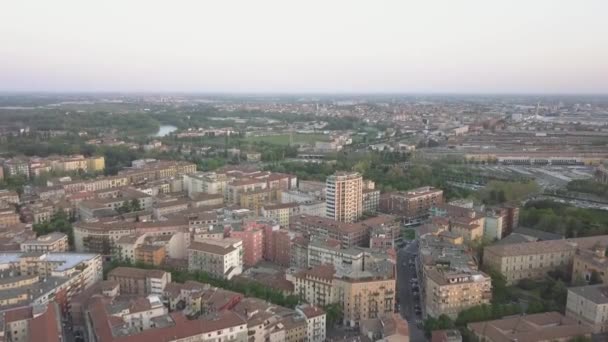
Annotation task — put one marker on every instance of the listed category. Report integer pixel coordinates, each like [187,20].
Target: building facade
[344,196]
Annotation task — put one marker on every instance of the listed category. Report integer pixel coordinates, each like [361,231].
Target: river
[164,130]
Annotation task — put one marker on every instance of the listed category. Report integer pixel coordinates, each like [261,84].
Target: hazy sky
[459,46]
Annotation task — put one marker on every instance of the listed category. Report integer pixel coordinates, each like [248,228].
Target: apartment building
[236,188]
[469,228]
[108,323]
[316,285]
[344,196]
[221,258]
[371,200]
[531,259]
[450,280]
[589,305]
[362,294]
[367,295]
[268,322]
[39,323]
[16,167]
[448,292]
[38,278]
[137,281]
[255,199]
[411,205]
[349,234]
[206,182]
[493,226]
[9,197]
[52,242]
[281,212]
[151,254]
[315,322]
[253,236]
[8,217]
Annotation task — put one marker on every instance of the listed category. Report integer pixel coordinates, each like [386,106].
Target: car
[414,280]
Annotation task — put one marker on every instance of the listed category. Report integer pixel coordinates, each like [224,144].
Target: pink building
[252,235]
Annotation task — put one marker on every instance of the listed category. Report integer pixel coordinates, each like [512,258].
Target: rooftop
[547,326]
[597,294]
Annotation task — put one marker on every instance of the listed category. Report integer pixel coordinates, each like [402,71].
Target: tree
[59,222]
[500,292]
[135,206]
[595,278]
[581,339]
[333,314]
[440,323]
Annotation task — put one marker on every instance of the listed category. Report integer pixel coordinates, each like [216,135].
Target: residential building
[15,167]
[52,242]
[371,200]
[315,322]
[221,258]
[281,212]
[206,182]
[8,217]
[268,322]
[492,227]
[529,260]
[362,294]
[349,234]
[151,254]
[541,327]
[27,323]
[589,305]
[448,292]
[411,205]
[252,235]
[390,328]
[316,285]
[142,282]
[344,196]
[113,321]
[470,228]
[449,277]
[37,278]
[9,197]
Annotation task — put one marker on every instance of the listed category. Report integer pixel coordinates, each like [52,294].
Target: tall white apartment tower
[344,196]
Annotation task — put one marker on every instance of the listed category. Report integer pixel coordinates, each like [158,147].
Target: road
[406,298]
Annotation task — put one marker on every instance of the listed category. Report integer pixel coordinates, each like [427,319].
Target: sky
[283,46]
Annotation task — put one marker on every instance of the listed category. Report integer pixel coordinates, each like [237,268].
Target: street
[407,301]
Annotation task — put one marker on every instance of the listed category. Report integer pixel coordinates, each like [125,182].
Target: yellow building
[361,295]
[529,260]
[365,298]
[255,199]
[280,212]
[95,164]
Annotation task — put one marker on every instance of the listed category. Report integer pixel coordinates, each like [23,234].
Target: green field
[283,139]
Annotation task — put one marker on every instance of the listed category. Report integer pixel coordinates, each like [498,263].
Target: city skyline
[315,47]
